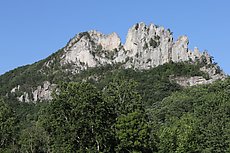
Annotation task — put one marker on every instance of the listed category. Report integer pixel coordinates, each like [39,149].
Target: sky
[32,30]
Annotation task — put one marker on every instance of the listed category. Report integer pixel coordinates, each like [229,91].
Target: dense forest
[110,109]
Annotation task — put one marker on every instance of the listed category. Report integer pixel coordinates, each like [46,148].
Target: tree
[132,132]
[123,96]
[195,119]
[34,139]
[179,136]
[7,125]
[78,119]
[131,128]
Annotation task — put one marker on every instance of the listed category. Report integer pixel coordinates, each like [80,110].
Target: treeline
[84,117]
[31,76]
[110,109]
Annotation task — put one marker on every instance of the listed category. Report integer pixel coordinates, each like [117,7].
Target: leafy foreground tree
[7,127]
[78,120]
[179,136]
[123,96]
[195,120]
[33,139]
[131,128]
[132,131]
[82,118]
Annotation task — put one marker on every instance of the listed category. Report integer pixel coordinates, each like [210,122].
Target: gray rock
[41,93]
[44,92]
[24,97]
[146,46]
[180,50]
[15,89]
[212,71]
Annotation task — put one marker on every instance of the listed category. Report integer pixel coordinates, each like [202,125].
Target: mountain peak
[146,46]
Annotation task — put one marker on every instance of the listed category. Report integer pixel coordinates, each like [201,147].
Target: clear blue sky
[31,30]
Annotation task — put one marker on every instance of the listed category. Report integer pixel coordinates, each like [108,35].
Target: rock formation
[41,93]
[44,92]
[145,47]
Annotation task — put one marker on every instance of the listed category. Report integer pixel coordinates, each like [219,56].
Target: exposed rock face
[151,46]
[91,49]
[108,42]
[24,98]
[41,93]
[196,80]
[148,46]
[145,47]
[180,50]
[190,81]
[15,89]
[214,74]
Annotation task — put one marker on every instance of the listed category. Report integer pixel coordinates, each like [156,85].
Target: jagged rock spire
[145,47]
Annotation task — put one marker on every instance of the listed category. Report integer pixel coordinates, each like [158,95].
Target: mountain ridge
[154,42]
[146,47]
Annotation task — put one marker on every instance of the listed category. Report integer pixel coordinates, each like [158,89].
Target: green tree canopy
[133,133]
[78,119]
[7,125]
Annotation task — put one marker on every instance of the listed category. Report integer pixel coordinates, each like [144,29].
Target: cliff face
[89,49]
[145,47]
[151,46]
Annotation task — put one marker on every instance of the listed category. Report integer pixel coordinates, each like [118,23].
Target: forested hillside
[107,109]
[146,47]
[97,95]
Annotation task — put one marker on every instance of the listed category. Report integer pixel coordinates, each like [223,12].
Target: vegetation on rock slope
[107,108]
[118,110]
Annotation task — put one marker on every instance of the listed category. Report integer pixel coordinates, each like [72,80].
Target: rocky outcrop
[24,97]
[190,81]
[148,46]
[41,93]
[91,49]
[151,46]
[145,47]
[213,72]
[15,89]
